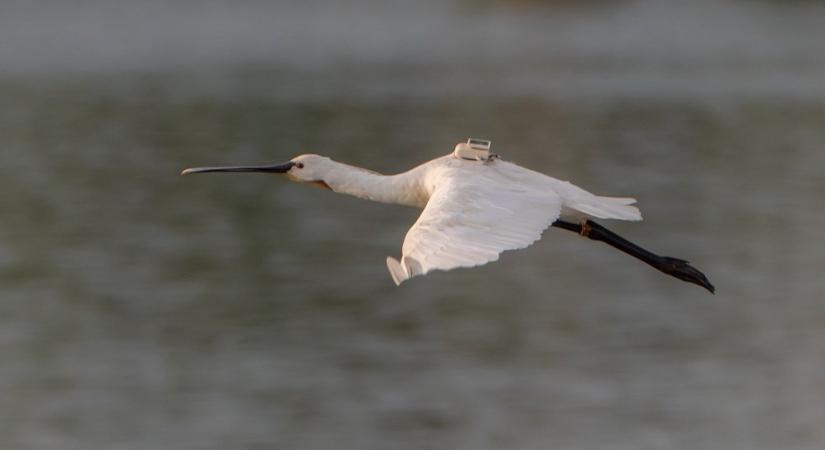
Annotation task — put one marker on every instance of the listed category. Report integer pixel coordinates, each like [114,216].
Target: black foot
[675,267]
[680,269]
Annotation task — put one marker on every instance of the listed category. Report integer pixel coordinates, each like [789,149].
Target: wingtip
[397,271]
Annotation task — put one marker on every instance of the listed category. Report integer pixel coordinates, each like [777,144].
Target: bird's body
[473,209]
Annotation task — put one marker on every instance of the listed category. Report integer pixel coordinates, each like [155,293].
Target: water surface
[142,310]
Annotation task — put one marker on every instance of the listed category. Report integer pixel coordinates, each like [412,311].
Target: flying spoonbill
[475,206]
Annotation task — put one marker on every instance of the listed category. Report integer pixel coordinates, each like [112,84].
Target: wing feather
[472,217]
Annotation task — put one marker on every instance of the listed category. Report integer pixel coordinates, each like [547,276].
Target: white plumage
[473,209]
[477,210]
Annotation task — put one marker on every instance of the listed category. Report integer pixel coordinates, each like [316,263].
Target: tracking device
[475,150]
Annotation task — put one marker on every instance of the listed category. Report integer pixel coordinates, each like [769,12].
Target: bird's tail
[608,207]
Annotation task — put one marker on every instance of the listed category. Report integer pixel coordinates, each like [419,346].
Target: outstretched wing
[471,218]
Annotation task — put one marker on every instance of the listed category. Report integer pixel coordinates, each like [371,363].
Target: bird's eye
[299,165]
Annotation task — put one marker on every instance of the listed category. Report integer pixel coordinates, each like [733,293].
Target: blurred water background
[142,310]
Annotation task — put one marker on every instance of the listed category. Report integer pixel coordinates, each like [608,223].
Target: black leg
[672,266]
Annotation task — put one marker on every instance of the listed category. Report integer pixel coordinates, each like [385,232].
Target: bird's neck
[403,189]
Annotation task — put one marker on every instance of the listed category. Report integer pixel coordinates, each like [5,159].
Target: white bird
[475,206]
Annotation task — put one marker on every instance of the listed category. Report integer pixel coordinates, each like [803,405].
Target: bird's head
[303,169]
